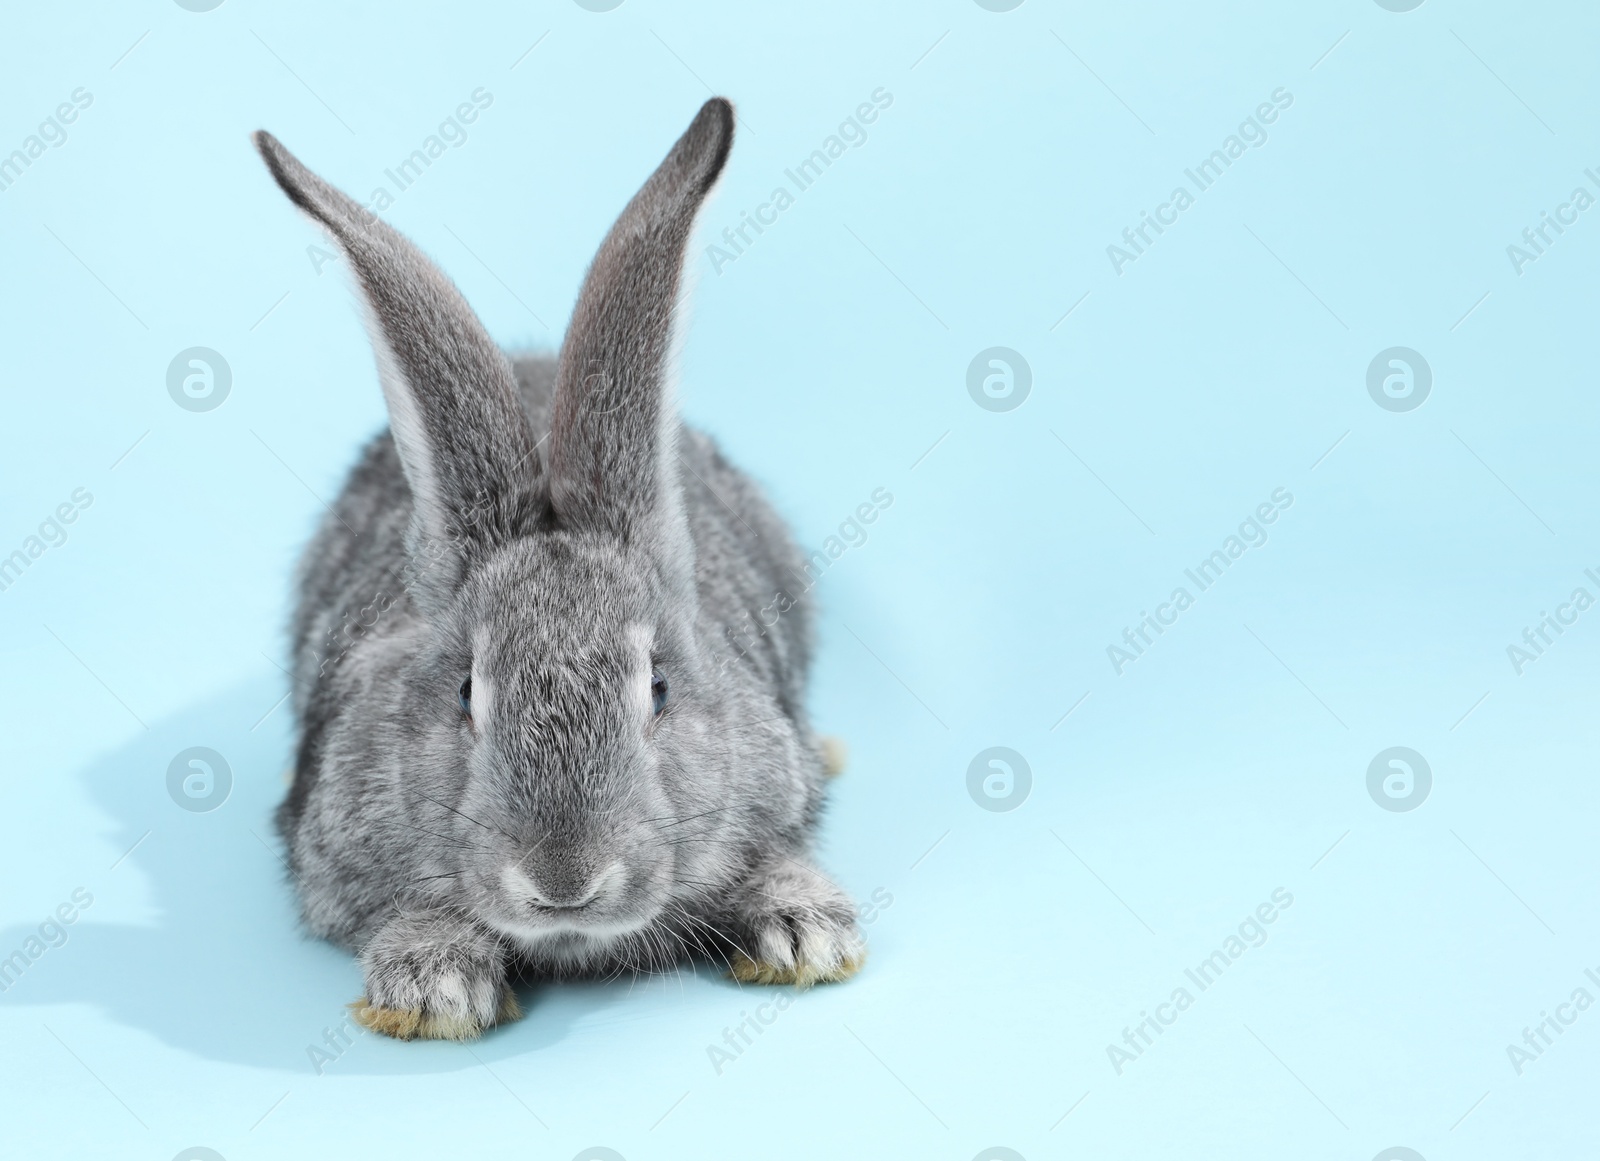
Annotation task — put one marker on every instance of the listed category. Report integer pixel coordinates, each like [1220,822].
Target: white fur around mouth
[597,934]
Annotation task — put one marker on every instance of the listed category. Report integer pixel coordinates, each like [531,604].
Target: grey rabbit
[532,741]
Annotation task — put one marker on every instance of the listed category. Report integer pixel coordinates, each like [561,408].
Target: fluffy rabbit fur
[550,533]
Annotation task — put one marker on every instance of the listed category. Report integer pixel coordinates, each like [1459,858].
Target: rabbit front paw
[801,929]
[434,977]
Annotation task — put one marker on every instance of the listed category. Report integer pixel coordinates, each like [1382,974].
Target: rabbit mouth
[567,930]
[596,911]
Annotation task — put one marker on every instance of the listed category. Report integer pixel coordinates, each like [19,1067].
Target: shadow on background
[224,969]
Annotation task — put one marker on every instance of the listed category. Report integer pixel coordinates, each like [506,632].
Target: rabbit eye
[465,697]
[658,691]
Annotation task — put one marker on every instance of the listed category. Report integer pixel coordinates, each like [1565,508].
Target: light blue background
[1228,761]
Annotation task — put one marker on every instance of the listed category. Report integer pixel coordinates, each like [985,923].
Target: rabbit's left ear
[611,434]
[465,442]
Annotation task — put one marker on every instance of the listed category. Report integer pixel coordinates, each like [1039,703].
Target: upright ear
[610,436]
[463,438]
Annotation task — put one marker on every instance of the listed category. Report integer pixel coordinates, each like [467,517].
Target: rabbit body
[550,653]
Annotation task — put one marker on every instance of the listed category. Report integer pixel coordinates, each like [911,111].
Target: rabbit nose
[558,888]
[565,897]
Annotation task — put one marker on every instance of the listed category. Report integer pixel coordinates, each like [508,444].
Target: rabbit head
[554,707]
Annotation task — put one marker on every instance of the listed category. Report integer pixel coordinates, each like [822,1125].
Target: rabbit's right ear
[612,430]
[464,440]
